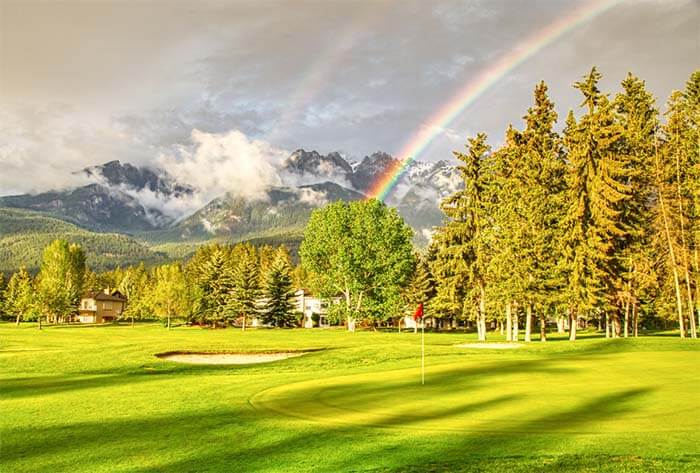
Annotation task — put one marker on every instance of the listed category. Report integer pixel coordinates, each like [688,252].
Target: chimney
[107,291]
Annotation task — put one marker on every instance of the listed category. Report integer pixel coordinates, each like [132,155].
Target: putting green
[96,399]
[492,397]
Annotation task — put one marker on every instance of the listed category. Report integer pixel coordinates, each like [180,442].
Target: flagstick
[422,350]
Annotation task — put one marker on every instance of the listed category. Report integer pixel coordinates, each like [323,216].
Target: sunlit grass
[96,399]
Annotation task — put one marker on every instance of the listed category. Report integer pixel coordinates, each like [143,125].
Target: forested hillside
[24,234]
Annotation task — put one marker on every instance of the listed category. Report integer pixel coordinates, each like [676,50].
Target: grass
[97,399]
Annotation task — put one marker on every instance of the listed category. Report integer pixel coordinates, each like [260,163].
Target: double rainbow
[385,183]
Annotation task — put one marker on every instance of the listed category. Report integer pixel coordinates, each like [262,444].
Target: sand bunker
[490,346]
[226,358]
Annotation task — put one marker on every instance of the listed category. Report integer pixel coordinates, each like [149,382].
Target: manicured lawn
[96,399]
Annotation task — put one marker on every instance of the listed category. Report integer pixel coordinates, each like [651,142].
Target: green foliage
[596,191]
[60,281]
[246,277]
[363,251]
[169,296]
[277,292]
[462,253]
[19,299]
[24,235]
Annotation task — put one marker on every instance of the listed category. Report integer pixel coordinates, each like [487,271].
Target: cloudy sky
[152,82]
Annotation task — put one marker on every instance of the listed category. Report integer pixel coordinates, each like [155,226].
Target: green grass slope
[24,234]
[95,399]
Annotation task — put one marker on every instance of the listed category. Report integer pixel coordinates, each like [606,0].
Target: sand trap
[490,346]
[226,358]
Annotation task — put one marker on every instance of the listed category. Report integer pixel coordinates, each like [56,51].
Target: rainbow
[385,183]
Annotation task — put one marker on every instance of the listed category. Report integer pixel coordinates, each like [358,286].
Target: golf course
[97,399]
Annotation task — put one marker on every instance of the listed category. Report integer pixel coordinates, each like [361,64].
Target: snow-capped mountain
[126,198]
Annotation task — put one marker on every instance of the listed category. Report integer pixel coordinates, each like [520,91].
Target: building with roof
[101,307]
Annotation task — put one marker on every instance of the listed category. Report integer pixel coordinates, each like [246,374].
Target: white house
[314,308]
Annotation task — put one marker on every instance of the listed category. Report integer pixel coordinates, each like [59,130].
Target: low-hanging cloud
[218,163]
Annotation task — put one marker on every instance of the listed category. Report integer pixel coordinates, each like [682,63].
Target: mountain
[127,176]
[24,235]
[94,207]
[371,167]
[126,199]
[284,209]
[303,163]
[114,202]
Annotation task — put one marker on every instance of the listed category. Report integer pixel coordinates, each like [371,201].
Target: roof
[101,296]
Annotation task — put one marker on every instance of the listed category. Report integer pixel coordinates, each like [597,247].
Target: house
[314,309]
[101,307]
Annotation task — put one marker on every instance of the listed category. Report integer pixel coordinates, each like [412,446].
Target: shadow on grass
[202,441]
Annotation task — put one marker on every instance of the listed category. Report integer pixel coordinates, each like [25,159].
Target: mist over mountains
[158,206]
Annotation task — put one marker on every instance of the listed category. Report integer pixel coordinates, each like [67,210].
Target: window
[107,306]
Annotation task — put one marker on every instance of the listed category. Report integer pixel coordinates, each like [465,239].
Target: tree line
[597,223]
[218,286]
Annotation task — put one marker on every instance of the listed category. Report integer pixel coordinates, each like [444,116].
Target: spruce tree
[277,292]
[421,289]
[246,286]
[639,120]
[462,256]
[595,190]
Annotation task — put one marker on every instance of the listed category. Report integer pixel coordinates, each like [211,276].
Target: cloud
[312,197]
[219,163]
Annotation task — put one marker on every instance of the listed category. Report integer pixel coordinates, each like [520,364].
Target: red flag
[419,312]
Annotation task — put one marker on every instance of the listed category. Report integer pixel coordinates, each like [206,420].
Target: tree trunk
[697,283]
[18,317]
[168,320]
[672,253]
[627,316]
[543,328]
[132,320]
[607,325]
[482,312]
[635,319]
[509,323]
[573,325]
[528,323]
[684,253]
[245,320]
[516,329]
[500,327]
[39,322]
[560,324]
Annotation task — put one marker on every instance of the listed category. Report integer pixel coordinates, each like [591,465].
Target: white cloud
[219,163]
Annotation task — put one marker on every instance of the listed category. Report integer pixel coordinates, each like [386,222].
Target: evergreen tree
[277,292]
[246,287]
[218,285]
[421,289]
[595,190]
[462,253]
[639,120]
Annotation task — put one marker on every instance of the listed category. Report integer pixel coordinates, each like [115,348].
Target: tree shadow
[201,440]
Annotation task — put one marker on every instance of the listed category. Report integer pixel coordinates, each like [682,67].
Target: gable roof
[101,296]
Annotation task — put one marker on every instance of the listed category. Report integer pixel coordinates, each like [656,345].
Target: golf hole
[490,346]
[204,358]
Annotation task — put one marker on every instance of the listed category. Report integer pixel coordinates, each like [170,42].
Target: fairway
[97,399]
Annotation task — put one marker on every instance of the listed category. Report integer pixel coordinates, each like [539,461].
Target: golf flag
[419,312]
[419,316]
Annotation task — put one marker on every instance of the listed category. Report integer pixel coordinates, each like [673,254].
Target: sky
[194,85]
